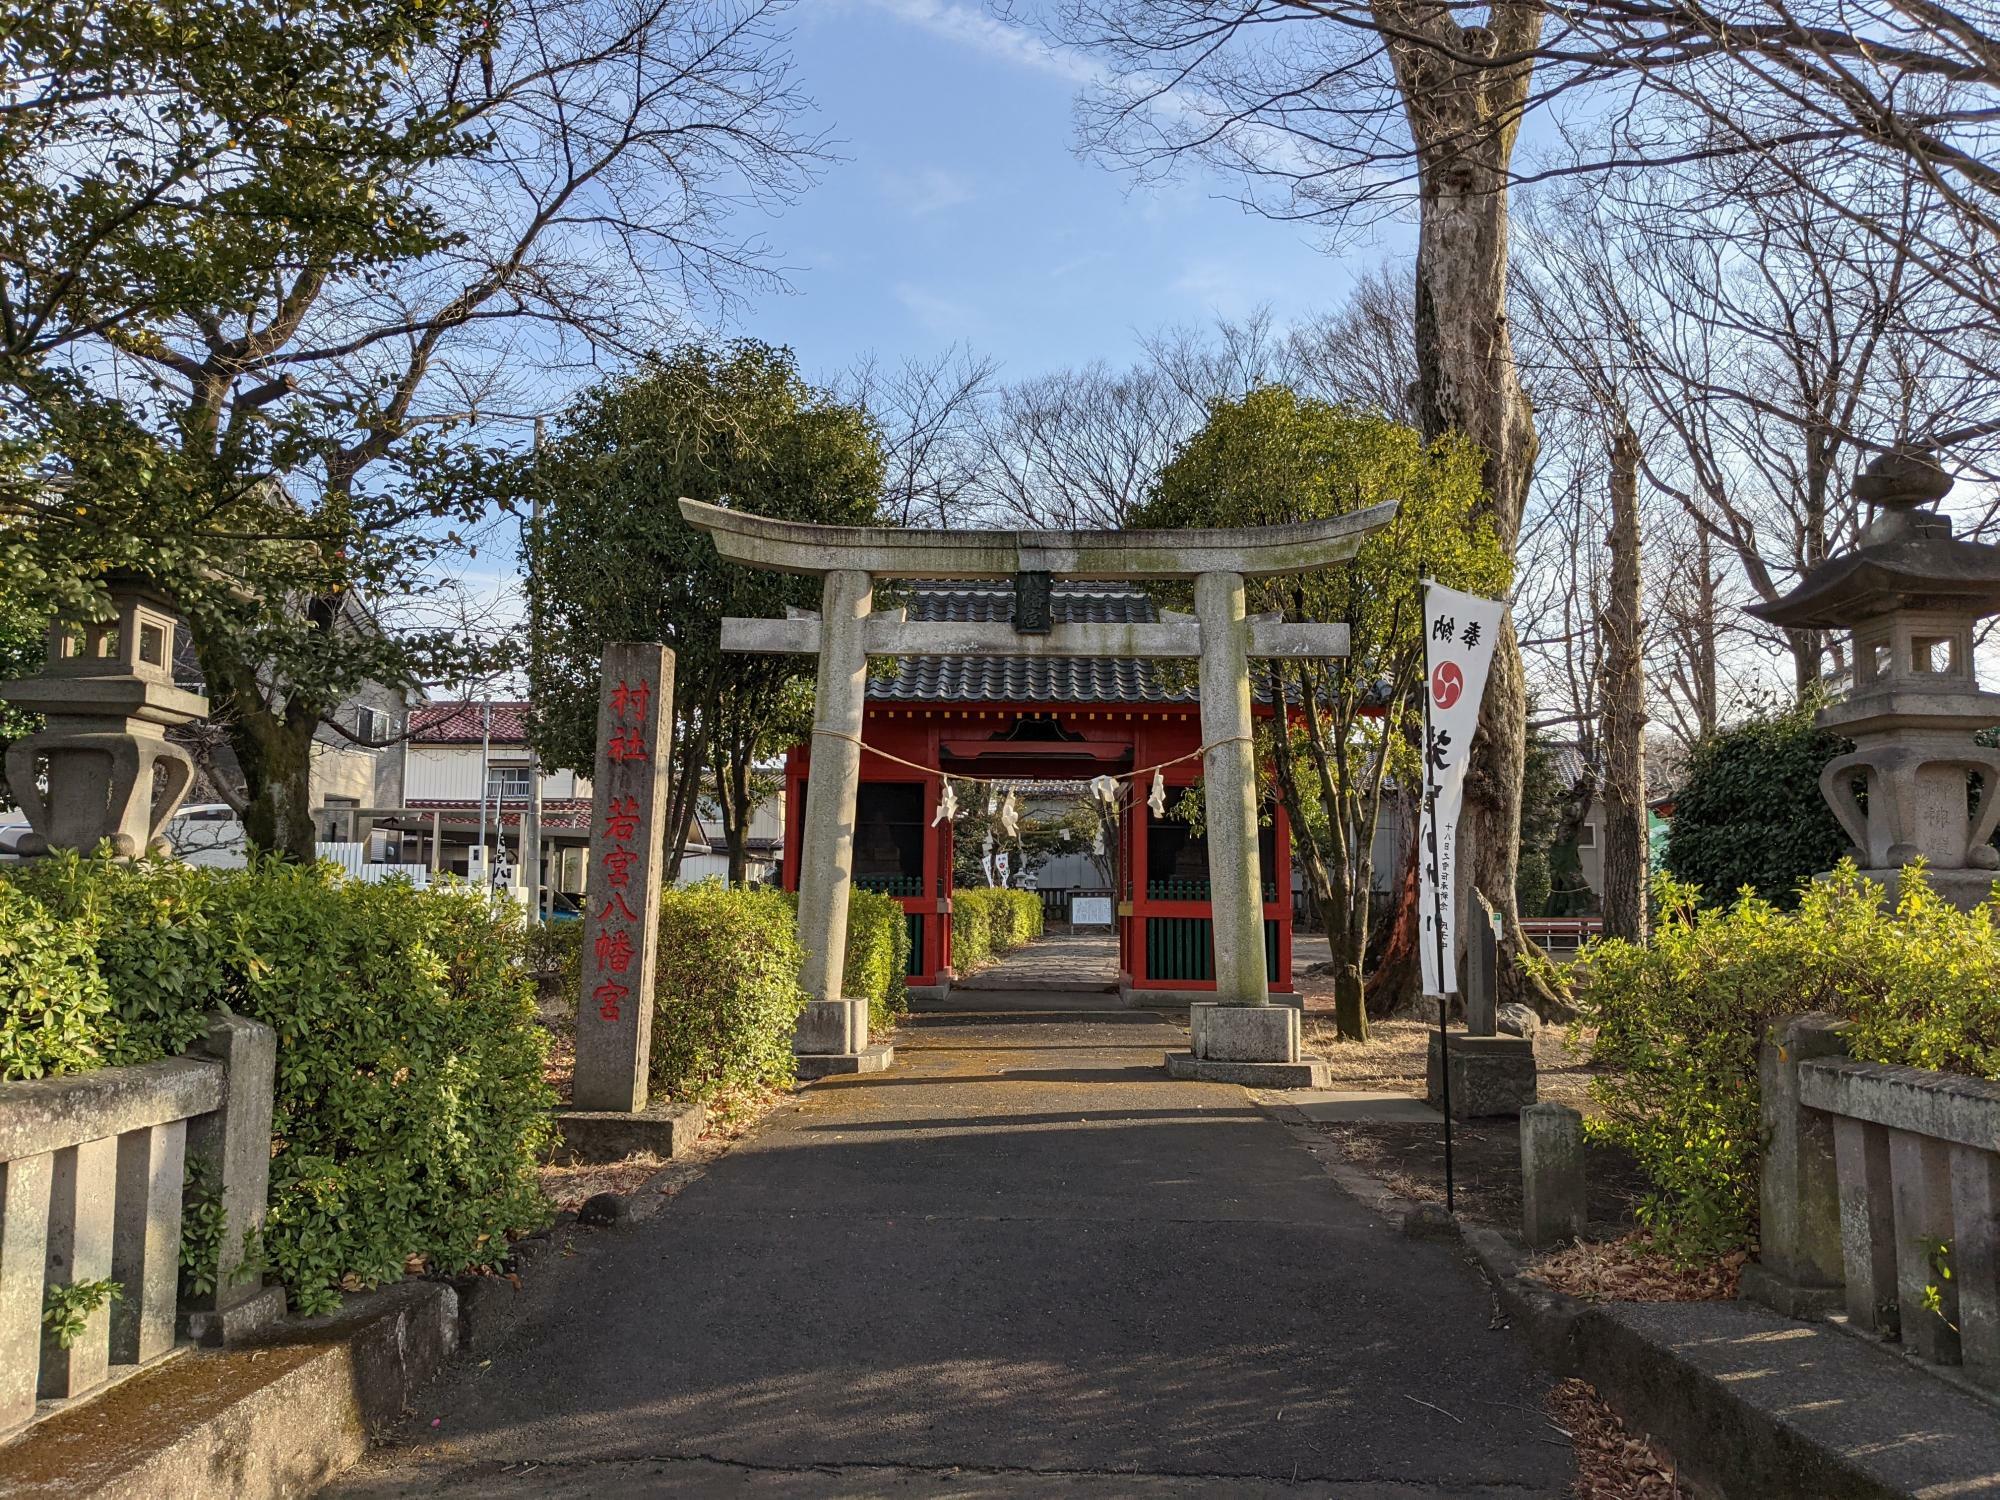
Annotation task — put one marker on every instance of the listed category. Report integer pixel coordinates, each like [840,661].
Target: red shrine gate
[1044,719]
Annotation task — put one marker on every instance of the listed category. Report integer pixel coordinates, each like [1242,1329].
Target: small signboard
[1090,911]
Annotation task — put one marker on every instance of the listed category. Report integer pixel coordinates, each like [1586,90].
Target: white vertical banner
[1459,631]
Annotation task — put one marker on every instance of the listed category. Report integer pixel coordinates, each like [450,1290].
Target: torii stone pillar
[834,1026]
[1229,770]
[1238,1037]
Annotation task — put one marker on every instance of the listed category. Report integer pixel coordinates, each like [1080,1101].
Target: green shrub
[727,993]
[55,1012]
[1679,1024]
[1017,919]
[878,956]
[410,1111]
[1749,812]
[554,955]
[988,921]
[971,930]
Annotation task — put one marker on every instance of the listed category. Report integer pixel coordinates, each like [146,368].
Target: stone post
[621,933]
[1482,967]
[236,1141]
[146,1241]
[1235,886]
[1798,1270]
[79,1250]
[833,1025]
[1553,1201]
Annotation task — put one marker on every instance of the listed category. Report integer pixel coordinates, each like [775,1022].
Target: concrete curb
[275,1418]
[1751,1405]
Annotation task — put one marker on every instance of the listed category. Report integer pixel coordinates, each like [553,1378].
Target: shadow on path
[986,1275]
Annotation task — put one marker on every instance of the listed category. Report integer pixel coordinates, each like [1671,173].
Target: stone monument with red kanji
[614,1022]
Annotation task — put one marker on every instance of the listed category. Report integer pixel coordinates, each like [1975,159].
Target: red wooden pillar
[1281,909]
[796,771]
[1133,828]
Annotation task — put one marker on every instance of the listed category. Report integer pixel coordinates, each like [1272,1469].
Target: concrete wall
[450,773]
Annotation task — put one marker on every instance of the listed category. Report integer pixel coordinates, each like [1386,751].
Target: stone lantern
[1910,594]
[108,694]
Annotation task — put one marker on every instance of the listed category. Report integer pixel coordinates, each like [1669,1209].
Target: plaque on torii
[1241,1031]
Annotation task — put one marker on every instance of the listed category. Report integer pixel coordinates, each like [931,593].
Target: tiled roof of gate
[1028,679]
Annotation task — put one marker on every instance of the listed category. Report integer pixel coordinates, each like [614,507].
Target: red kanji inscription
[614,951]
[635,697]
[618,866]
[621,818]
[609,996]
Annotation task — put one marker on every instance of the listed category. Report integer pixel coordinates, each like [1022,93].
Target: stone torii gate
[1241,1036]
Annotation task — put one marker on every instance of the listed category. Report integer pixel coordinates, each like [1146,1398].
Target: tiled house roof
[1027,679]
[462,723]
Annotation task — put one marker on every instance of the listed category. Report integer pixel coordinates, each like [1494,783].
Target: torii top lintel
[892,552]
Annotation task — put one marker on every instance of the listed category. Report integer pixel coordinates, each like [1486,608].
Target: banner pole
[1437,920]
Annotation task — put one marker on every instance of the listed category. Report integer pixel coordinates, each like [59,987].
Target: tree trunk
[273,752]
[1396,965]
[684,790]
[1464,119]
[1625,857]
[1702,649]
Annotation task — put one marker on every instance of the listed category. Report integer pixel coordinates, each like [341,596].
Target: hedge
[411,1110]
[1679,1024]
[726,995]
[878,956]
[989,921]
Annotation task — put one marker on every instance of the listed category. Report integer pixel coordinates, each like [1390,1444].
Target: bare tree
[1624,739]
[929,411]
[1080,448]
[1775,347]
[1362,353]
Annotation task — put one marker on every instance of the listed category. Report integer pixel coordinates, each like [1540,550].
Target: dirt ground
[1393,1057]
[729,1120]
[1486,1154]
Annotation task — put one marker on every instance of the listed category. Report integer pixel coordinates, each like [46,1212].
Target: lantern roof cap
[1907,559]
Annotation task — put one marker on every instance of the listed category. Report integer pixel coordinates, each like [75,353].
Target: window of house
[1586,836]
[505,783]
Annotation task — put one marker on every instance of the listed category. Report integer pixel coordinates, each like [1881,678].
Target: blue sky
[960,212]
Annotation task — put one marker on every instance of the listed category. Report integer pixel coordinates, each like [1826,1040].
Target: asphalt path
[1023,1262]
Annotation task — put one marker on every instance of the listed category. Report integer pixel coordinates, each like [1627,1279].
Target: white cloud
[927,190]
[1220,287]
[970,26]
[936,313]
